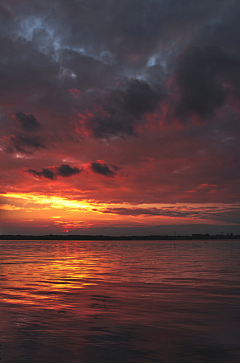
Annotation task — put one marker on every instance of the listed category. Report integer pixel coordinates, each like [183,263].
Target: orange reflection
[41,284]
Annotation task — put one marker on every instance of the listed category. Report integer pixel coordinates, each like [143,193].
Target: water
[120,301]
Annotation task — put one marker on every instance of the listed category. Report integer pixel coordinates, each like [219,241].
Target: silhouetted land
[120,238]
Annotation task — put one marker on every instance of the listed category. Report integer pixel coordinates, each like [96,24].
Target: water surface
[120,301]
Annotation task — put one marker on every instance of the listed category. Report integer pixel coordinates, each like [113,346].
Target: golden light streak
[52,201]
[9,207]
[59,202]
[67,214]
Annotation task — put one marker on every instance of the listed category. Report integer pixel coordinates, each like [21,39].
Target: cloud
[102,168]
[201,73]
[228,214]
[24,144]
[108,121]
[119,111]
[24,70]
[27,121]
[224,32]
[148,211]
[115,167]
[46,173]
[64,170]
[140,98]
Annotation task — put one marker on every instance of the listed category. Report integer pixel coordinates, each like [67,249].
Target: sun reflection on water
[53,273]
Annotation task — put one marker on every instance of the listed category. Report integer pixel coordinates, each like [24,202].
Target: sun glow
[50,201]
[63,214]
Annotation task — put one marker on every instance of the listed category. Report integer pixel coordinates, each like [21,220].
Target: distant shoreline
[118,238]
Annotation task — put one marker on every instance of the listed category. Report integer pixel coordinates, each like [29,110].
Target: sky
[119,117]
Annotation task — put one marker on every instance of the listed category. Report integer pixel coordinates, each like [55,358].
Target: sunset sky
[120,117]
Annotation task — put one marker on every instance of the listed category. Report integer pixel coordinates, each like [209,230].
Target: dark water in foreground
[120,301]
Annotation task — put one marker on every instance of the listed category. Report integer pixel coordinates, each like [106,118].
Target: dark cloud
[132,29]
[110,121]
[46,173]
[66,171]
[201,73]
[115,167]
[24,144]
[140,98]
[63,170]
[86,71]
[102,168]
[27,121]
[25,71]
[223,33]
[119,111]
[89,47]
[149,211]
[227,214]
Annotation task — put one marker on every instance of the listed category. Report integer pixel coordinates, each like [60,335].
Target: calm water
[120,301]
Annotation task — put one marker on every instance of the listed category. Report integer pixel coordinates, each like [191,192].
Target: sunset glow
[66,215]
[128,129]
[120,181]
